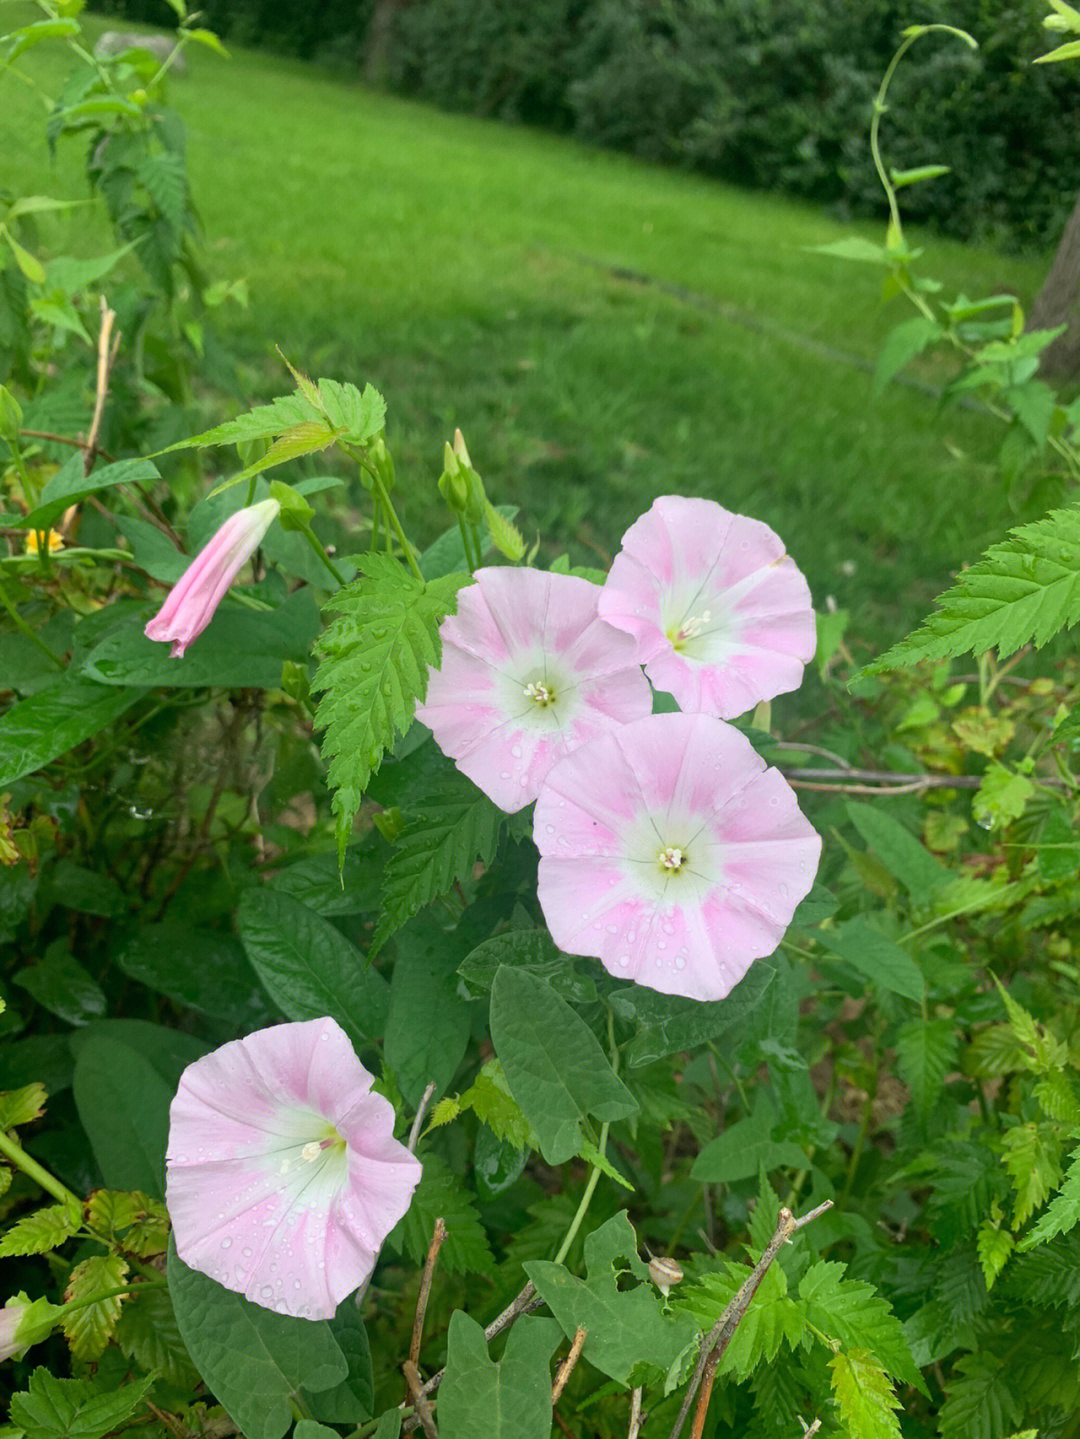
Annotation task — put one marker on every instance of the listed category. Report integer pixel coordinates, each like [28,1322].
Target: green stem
[594,1177]
[370,1427]
[860,1140]
[30,633]
[18,1156]
[391,517]
[103,1294]
[316,545]
[463,527]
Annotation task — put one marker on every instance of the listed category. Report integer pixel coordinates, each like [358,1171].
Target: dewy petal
[190,604]
[722,617]
[284,1177]
[691,787]
[517,628]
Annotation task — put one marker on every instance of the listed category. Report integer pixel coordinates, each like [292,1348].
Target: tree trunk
[377,42]
[1058,303]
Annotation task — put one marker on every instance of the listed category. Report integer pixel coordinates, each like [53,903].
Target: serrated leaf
[52,1408]
[994,1245]
[1002,796]
[926,1050]
[458,825]
[864,1395]
[508,1400]
[374,669]
[258,424]
[89,1328]
[360,415]
[1063,1213]
[901,346]
[859,1317]
[20,1106]
[772,1318]
[164,177]
[980,1402]
[441,1194]
[1023,590]
[148,1334]
[554,1065]
[490,1100]
[1032,1159]
[42,1232]
[625,1325]
[505,535]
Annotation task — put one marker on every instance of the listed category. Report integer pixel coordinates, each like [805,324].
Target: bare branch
[421,1406]
[425,1290]
[106,356]
[566,1368]
[637,1418]
[720,1335]
[421,1110]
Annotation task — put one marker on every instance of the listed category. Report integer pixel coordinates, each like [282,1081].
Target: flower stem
[383,497]
[18,1156]
[316,544]
[594,1177]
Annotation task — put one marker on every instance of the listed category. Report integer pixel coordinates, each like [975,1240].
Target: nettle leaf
[508,1400]
[554,1065]
[994,1245]
[1063,1213]
[865,1397]
[42,1232]
[980,1402]
[149,1334]
[20,1106]
[627,1326]
[258,424]
[1023,590]
[855,1314]
[1032,1158]
[490,1100]
[457,826]
[52,1408]
[89,1329]
[258,1364]
[926,1050]
[441,1194]
[746,1146]
[374,669]
[772,1318]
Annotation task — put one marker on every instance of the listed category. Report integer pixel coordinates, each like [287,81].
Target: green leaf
[53,1408]
[1023,590]
[360,416]
[123,1105]
[429,1024]
[60,984]
[20,1106]
[865,1397]
[149,1335]
[980,1402]
[308,967]
[353,1399]
[40,729]
[530,949]
[855,1314]
[258,424]
[745,1147]
[457,826]
[163,175]
[926,1050]
[772,1318]
[900,178]
[255,1362]
[627,1326]
[668,1023]
[1059,849]
[203,969]
[88,1329]
[42,1232]
[26,35]
[1069,51]
[375,659]
[1002,796]
[70,485]
[29,264]
[1032,1157]
[901,346]
[899,851]
[490,1100]
[554,1065]
[207,38]
[854,248]
[993,1245]
[440,1194]
[862,945]
[508,1400]
[1063,1213]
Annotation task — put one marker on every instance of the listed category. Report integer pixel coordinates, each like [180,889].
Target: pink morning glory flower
[722,616]
[528,674]
[190,604]
[284,1176]
[670,852]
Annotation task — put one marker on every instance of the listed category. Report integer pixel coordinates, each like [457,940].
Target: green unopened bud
[389,822]
[10,416]
[23,1324]
[460,450]
[477,502]
[252,451]
[295,513]
[454,490]
[383,461]
[1056,22]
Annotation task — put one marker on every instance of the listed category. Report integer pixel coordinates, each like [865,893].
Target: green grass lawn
[476,274]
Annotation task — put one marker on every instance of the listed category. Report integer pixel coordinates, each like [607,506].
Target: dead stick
[106,355]
[563,1426]
[637,1418]
[422,1407]
[719,1336]
[421,1110]
[425,1290]
[566,1368]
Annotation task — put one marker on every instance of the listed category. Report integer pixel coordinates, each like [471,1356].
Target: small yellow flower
[55,542]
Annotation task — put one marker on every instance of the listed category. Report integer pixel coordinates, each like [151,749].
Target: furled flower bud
[23,1324]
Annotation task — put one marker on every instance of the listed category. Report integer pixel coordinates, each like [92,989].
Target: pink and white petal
[515,602]
[777,592]
[630,601]
[509,764]
[474,630]
[601,648]
[571,608]
[378,1194]
[312,1063]
[617,699]
[588,903]
[587,801]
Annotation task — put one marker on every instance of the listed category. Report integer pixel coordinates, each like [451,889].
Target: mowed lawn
[602,330]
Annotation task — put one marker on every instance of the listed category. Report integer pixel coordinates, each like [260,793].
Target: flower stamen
[540,693]
[690,628]
[671,858]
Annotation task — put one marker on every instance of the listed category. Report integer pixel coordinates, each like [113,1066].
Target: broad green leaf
[901,346]
[20,40]
[20,1106]
[167,1051]
[508,1400]
[29,264]
[240,649]
[374,668]
[308,967]
[163,175]
[51,1408]
[854,248]
[530,949]
[440,1194]
[258,424]
[60,984]
[353,1399]
[627,1326]
[457,826]
[255,1362]
[1063,1213]
[1059,848]
[855,1314]
[70,485]
[745,1147]
[863,946]
[1024,590]
[668,1023]
[428,1025]
[203,969]
[899,851]
[123,1105]
[554,1065]
[89,1328]
[40,729]
[772,1319]
[318,882]
[207,38]
[1002,796]
[926,1050]
[981,1401]
[864,1395]
[359,415]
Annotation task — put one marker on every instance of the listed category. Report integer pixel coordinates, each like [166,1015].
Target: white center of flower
[671,858]
[691,627]
[311,1151]
[540,693]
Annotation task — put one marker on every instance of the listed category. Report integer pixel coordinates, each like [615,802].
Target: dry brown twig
[421,1110]
[425,1290]
[566,1368]
[637,1418]
[719,1336]
[421,1407]
[108,344]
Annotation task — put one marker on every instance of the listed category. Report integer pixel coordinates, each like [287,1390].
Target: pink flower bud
[191,602]
[24,1323]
